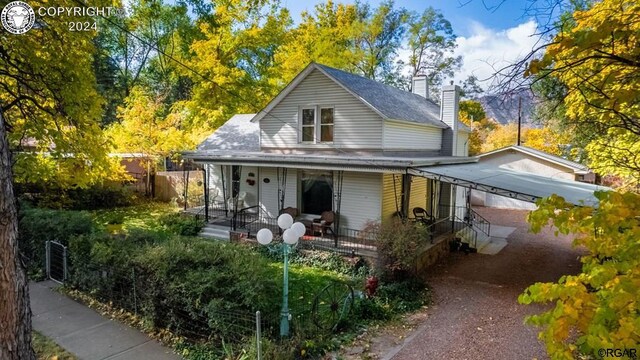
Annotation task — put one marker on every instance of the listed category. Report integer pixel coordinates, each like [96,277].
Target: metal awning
[507,182]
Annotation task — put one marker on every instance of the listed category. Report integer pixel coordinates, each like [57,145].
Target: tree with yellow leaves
[598,308]
[595,57]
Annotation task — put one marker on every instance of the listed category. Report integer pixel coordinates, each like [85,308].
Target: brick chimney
[419,86]
[449,115]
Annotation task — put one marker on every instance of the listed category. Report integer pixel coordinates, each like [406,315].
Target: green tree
[597,308]
[48,94]
[324,36]
[146,127]
[378,36]
[232,65]
[432,41]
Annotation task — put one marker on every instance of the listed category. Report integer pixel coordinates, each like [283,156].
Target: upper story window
[316,124]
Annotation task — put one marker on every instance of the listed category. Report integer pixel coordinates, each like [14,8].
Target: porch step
[215,232]
[466,235]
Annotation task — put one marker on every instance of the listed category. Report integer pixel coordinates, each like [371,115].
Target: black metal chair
[421,215]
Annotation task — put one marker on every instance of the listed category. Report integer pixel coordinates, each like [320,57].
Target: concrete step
[215,232]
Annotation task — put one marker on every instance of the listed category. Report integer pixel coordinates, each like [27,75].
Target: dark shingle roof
[392,103]
[238,133]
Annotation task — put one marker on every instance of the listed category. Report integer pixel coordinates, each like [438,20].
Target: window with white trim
[308,124]
[326,124]
[316,124]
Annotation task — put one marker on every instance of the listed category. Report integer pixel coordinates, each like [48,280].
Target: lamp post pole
[284,313]
[291,233]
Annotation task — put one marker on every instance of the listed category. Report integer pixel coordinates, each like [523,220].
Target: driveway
[476,314]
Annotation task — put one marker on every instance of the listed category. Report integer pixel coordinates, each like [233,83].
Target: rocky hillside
[504,109]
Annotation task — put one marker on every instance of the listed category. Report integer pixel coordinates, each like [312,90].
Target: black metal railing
[245,217]
[480,223]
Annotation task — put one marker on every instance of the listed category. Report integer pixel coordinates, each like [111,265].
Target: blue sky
[495,14]
[491,33]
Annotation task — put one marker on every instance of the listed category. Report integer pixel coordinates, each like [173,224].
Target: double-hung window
[316,124]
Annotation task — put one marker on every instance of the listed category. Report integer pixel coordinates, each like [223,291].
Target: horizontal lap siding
[411,137]
[360,199]
[269,191]
[356,125]
[418,193]
[389,198]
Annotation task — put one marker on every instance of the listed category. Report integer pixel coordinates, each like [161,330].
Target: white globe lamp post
[290,236]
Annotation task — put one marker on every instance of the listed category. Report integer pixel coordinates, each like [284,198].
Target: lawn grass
[47,349]
[144,216]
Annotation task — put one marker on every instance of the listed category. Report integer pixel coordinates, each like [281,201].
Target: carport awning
[514,184]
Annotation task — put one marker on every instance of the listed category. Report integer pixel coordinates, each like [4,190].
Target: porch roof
[355,161]
[514,184]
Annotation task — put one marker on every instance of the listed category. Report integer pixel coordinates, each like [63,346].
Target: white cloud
[488,49]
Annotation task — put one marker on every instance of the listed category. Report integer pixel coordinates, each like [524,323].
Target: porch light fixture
[290,236]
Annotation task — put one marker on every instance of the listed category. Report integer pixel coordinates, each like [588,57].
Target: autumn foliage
[599,307]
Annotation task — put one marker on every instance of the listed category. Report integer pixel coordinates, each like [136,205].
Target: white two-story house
[335,141]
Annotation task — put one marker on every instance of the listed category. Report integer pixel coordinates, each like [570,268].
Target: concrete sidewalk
[87,334]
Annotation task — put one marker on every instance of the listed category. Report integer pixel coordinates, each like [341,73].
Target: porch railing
[480,223]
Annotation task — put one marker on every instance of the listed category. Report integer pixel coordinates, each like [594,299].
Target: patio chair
[324,224]
[294,212]
[421,215]
[240,199]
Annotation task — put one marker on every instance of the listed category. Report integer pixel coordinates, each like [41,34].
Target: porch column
[205,176]
[406,195]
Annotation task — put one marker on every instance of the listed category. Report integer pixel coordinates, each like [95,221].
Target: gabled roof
[238,133]
[390,103]
[576,167]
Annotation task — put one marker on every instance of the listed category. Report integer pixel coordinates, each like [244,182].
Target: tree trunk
[15,313]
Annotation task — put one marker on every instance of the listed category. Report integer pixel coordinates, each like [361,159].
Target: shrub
[331,261]
[191,286]
[92,198]
[398,243]
[182,224]
[37,226]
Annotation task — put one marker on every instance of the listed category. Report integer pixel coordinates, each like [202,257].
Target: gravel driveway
[476,314]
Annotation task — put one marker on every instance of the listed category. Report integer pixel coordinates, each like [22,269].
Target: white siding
[412,137]
[269,191]
[215,179]
[215,183]
[463,144]
[523,163]
[355,124]
[360,199]
[252,191]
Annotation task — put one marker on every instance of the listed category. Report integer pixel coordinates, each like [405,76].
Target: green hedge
[92,198]
[188,285]
[37,226]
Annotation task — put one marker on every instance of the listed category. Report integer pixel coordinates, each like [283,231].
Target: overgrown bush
[331,261]
[182,224]
[37,226]
[190,286]
[92,198]
[398,243]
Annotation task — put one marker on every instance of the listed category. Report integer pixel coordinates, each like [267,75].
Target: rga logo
[17,17]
